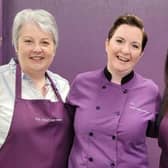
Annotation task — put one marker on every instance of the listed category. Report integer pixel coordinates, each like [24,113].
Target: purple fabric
[40,134]
[111,121]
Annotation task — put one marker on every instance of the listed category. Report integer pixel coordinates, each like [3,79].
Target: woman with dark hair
[114,106]
[163,122]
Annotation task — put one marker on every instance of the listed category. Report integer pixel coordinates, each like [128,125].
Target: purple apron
[40,135]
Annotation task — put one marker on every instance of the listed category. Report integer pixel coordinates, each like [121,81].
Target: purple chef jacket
[111,120]
[163,141]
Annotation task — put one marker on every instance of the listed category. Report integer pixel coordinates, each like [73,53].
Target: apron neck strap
[54,87]
[18,81]
[18,86]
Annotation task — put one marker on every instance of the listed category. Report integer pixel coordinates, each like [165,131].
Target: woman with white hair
[35,130]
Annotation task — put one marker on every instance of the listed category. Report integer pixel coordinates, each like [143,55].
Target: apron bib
[40,135]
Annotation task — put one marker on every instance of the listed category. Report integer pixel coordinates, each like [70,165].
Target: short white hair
[41,17]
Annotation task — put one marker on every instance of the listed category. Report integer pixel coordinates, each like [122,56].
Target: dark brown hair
[164,104]
[132,20]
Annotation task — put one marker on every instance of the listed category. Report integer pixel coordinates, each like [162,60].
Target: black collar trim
[124,80]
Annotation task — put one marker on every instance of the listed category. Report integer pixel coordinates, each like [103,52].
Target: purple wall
[83,26]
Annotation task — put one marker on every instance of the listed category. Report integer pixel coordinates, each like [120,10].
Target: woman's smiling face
[124,49]
[36,49]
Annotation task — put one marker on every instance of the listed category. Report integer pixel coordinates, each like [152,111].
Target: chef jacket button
[113,137]
[104,87]
[97,107]
[117,113]
[125,91]
[90,159]
[112,164]
[90,133]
